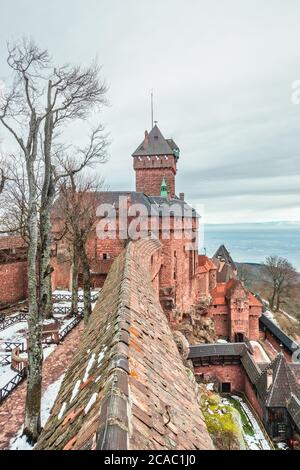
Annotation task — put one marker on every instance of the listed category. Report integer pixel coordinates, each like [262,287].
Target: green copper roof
[163,188]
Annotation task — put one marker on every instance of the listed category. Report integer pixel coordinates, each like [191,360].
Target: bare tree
[282,275]
[77,207]
[3,174]
[41,100]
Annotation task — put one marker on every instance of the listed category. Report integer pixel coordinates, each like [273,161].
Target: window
[106,256]
[226,387]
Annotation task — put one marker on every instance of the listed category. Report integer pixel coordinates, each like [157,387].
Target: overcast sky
[222,73]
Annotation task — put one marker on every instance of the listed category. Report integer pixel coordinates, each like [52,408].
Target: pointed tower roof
[284,382]
[154,143]
[223,254]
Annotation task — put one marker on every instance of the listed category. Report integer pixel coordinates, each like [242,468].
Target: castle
[192,288]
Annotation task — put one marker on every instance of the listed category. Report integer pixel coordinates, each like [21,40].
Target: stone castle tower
[155,164]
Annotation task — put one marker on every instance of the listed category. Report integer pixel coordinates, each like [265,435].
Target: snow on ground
[270,315]
[210,386]
[15,333]
[18,333]
[282,446]
[258,441]
[19,442]
[261,355]
[49,397]
[6,375]
[67,292]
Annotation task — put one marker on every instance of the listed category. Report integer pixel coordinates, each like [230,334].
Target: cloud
[222,75]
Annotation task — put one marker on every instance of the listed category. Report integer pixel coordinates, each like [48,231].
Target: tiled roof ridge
[116,431]
[122,382]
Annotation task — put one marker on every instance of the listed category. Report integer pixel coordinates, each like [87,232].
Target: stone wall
[149,172]
[233,373]
[13,282]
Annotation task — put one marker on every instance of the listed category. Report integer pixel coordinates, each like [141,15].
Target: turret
[155,163]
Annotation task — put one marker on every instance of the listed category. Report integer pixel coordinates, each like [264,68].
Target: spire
[163,188]
[152,112]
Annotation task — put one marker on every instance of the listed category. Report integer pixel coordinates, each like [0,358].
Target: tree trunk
[49,304]
[48,192]
[45,263]
[75,271]
[272,299]
[32,425]
[86,284]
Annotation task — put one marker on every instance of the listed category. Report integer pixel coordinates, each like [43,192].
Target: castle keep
[195,292]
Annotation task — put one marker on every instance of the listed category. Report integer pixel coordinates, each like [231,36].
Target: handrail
[12,384]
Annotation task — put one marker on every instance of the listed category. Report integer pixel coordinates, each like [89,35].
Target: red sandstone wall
[149,172]
[251,395]
[253,326]
[13,282]
[222,325]
[224,373]
[203,284]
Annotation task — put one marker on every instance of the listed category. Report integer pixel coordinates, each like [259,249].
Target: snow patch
[101,355]
[62,410]
[48,399]
[88,367]
[75,390]
[20,442]
[210,386]
[91,402]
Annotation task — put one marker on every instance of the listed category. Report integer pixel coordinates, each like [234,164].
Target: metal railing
[12,384]
[5,359]
[63,310]
[67,297]
[6,322]
[8,346]
[63,333]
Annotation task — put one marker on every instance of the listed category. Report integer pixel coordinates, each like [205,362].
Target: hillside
[256,280]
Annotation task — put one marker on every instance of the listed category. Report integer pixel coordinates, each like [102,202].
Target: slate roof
[284,383]
[252,369]
[154,143]
[127,387]
[155,202]
[217,349]
[294,409]
[223,254]
[288,342]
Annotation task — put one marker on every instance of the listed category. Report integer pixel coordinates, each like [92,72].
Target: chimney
[269,378]
[146,140]
[181,196]
[128,202]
